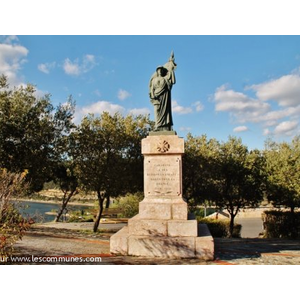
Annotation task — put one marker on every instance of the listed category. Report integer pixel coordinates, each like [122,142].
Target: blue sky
[247,86]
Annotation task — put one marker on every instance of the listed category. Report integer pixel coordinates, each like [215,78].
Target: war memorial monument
[162,227]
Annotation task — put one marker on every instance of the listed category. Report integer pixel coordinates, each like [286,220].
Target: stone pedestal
[162,228]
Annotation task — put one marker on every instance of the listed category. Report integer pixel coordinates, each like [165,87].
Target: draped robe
[160,94]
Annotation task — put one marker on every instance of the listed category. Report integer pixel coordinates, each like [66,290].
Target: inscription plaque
[162,176]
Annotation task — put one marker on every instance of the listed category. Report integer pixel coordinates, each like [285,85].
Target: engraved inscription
[162,177]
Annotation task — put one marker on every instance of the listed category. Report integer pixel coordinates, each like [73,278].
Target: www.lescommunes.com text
[50,259]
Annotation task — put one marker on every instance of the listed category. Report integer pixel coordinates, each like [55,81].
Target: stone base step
[201,246]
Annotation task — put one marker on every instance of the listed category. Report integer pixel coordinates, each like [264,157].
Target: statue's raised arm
[160,87]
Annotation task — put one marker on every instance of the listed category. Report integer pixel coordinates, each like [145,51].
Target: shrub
[12,224]
[129,204]
[12,229]
[281,224]
[220,228]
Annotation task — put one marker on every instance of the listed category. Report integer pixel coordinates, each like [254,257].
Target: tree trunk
[99,214]
[107,202]
[294,231]
[232,212]
[64,204]
[231,225]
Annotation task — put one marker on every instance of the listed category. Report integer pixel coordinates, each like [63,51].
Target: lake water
[38,210]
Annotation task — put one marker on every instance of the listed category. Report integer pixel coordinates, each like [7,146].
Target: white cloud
[78,67]
[183,110]
[271,118]
[285,90]
[97,108]
[11,59]
[176,108]
[241,107]
[199,106]
[71,68]
[46,67]
[123,94]
[139,111]
[286,128]
[43,68]
[240,129]
[246,109]
[101,106]
[238,103]
[281,119]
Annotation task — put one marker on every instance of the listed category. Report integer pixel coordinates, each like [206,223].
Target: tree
[63,172]
[224,173]
[283,173]
[136,128]
[32,132]
[200,164]
[240,179]
[106,151]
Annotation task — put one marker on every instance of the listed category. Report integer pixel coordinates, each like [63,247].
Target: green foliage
[129,204]
[12,224]
[281,224]
[283,173]
[32,133]
[240,180]
[221,228]
[107,155]
[200,164]
[107,148]
[225,173]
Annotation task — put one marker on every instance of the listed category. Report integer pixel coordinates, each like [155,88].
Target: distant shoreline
[54,202]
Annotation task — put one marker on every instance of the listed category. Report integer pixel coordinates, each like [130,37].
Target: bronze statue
[160,87]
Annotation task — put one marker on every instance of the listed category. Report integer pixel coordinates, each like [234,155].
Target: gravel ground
[51,241]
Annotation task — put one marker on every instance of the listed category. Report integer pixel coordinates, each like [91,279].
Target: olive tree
[240,178]
[106,152]
[283,173]
[200,164]
[32,132]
